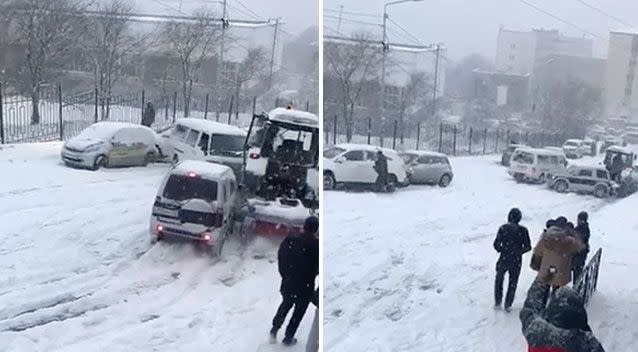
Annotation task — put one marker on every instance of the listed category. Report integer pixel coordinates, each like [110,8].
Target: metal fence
[445,138]
[588,281]
[63,116]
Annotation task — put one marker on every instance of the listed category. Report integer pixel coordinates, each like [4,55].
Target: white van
[194,203]
[199,139]
[535,165]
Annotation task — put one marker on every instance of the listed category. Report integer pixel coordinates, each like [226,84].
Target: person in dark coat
[562,326]
[617,165]
[148,117]
[582,231]
[512,241]
[381,167]
[298,266]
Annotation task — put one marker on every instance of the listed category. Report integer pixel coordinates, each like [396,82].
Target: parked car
[194,203]
[352,164]
[205,140]
[428,168]
[575,148]
[534,165]
[113,144]
[507,154]
[584,179]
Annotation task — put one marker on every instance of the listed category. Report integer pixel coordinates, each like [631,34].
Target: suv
[428,168]
[575,148]
[352,164]
[584,179]
[195,203]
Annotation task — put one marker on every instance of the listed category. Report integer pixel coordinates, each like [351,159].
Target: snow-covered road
[77,272]
[414,270]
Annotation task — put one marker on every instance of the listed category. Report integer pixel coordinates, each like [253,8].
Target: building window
[512,57]
[513,46]
[628,92]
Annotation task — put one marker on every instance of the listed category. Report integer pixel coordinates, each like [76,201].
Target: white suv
[352,164]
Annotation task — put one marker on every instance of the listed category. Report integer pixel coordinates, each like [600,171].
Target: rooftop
[213,126]
[201,168]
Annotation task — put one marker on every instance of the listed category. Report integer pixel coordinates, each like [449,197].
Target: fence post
[254,105]
[174,105]
[230,108]
[60,112]
[334,130]
[143,102]
[96,105]
[308,105]
[484,140]
[166,101]
[369,129]
[454,142]
[471,135]
[277,102]
[1,117]
[440,137]
[206,107]
[418,135]
[497,137]
[394,136]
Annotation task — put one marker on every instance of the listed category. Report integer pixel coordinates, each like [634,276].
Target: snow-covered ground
[414,270]
[77,272]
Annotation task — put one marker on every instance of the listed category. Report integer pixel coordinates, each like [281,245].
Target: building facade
[621,85]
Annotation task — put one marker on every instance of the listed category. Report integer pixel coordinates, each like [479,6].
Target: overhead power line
[408,34]
[559,18]
[360,14]
[599,10]
[344,19]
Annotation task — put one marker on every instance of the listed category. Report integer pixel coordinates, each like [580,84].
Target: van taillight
[254,156]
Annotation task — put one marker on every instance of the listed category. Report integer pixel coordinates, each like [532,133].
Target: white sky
[468,26]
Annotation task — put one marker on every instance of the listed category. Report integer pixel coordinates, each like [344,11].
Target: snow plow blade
[281,217]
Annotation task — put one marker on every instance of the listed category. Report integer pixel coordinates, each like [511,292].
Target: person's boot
[273,335]
[289,341]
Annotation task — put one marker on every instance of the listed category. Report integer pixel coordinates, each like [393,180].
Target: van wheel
[445,181]
[601,192]
[561,186]
[100,161]
[329,182]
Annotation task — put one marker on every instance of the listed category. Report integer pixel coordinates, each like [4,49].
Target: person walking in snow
[148,117]
[381,167]
[617,165]
[582,230]
[554,251]
[562,326]
[512,241]
[298,266]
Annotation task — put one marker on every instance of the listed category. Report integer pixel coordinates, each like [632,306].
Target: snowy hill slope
[414,271]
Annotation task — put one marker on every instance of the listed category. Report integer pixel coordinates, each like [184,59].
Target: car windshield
[179,133]
[291,144]
[180,188]
[227,145]
[332,152]
[571,144]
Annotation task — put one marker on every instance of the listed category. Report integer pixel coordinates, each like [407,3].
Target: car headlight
[93,147]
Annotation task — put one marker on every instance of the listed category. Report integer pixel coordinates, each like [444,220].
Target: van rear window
[180,187]
[523,158]
[227,145]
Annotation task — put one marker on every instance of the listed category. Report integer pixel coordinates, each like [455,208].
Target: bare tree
[351,64]
[414,93]
[47,29]
[568,106]
[251,68]
[193,43]
[110,42]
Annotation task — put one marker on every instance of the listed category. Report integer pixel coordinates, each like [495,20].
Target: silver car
[428,168]
[584,179]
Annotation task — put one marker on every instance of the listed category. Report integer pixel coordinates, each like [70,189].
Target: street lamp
[385,49]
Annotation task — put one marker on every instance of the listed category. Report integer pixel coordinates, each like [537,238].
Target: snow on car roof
[201,168]
[211,126]
[106,129]
[294,116]
[574,140]
[366,147]
[619,149]
[540,151]
[424,153]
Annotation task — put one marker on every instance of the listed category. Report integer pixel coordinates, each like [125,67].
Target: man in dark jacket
[512,241]
[562,326]
[299,266]
[148,117]
[582,230]
[617,165]
[381,167]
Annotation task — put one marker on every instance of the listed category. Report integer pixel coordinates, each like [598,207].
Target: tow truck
[629,176]
[280,176]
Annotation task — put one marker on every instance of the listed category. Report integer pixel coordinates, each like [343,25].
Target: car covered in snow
[575,148]
[353,164]
[534,165]
[113,144]
[584,179]
[507,154]
[205,140]
[428,168]
[194,203]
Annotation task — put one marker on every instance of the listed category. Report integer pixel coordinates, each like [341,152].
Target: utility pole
[220,64]
[340,15]
[384,42]
[272,54]
[436,79]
